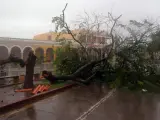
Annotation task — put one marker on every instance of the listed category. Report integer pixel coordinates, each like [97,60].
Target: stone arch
[39,52]
[16,51]
[4,52]
[49,55]
[26,51]
[27,48]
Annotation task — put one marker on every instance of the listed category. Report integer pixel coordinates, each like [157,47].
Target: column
[21,55]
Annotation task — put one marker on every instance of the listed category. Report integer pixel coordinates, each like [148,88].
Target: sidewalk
[8,95]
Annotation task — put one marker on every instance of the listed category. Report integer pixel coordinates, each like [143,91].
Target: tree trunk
[85,70]
[30,63]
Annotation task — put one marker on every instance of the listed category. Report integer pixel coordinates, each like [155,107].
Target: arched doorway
[39,52]
[26,52]
[16,51]
[4,53]
[49,55]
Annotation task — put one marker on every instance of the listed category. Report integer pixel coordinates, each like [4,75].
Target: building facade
[44,46]
[44,50]
[90,39]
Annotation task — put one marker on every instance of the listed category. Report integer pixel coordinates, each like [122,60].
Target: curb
[30,100]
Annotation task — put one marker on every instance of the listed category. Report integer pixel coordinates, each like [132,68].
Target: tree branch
[111,32]
[69,31]
[14,60]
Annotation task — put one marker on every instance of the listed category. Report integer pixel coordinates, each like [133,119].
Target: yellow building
[56,37]
[50,36]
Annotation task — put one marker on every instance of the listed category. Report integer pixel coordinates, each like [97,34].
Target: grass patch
[55,85]
[45,81]
[58,85]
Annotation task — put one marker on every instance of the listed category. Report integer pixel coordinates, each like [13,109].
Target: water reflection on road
[31,113]
[73,103]
[68,105]
[128,106]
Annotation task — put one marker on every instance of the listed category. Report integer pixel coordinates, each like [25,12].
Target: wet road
[68,105]
[82,103]
[128,106]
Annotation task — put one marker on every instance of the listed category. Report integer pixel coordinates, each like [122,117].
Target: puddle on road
[73,103]
[128,106]
[67,105]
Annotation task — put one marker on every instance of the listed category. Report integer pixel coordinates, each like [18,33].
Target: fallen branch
[12,59]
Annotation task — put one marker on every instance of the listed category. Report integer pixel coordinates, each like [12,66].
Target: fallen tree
[126,63]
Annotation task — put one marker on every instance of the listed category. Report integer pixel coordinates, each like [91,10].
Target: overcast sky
[26,18]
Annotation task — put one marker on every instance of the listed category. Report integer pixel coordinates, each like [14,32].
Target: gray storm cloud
[26,18]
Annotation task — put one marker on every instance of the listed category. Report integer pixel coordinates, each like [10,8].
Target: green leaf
[140,83]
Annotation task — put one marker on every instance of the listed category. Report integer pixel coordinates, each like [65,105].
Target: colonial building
[20,48]
[91,39]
